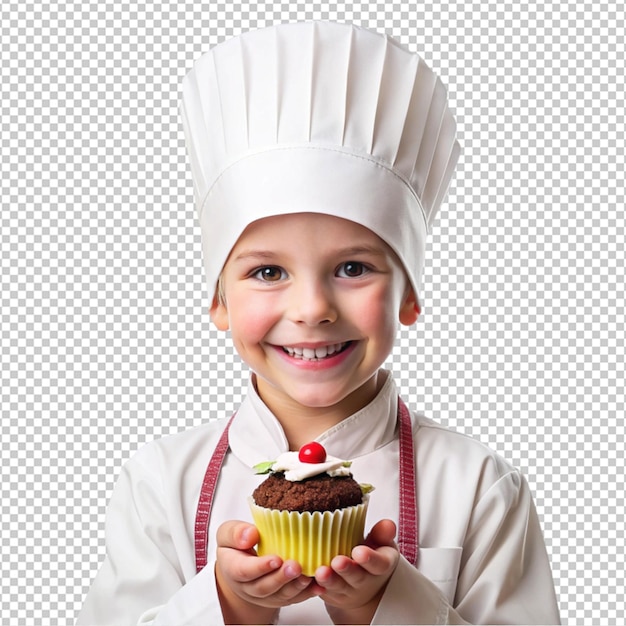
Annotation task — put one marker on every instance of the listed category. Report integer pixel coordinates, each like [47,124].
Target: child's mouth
[316,354]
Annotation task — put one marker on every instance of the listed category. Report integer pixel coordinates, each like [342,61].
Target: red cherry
[312,453]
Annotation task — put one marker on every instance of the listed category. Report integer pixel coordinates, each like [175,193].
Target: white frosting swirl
[295,470]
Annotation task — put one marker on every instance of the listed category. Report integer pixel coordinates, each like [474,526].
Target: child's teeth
[314,353]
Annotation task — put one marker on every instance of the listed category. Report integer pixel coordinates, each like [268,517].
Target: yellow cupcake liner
[312,539]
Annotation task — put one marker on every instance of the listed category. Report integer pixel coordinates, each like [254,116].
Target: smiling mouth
[316,354]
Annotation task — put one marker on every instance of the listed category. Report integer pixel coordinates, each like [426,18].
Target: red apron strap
[408,531]
[408,527]
[205,503]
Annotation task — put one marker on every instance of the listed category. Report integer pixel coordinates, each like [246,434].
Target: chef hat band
[317,117]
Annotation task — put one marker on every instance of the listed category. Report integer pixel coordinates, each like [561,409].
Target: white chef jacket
[482,558]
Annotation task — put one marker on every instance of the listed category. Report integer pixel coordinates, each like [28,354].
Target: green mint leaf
[263,468]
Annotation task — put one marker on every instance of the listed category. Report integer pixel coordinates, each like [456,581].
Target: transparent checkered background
[105,336]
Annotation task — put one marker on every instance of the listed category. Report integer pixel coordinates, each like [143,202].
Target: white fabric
[317,117]
[482,556]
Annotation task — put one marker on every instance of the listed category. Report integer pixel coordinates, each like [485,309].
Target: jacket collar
[256,434]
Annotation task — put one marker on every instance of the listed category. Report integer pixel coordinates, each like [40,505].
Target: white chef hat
[317,117]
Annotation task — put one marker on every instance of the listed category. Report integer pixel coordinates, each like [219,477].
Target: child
[320,155]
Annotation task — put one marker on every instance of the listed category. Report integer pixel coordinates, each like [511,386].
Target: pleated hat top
[317,117]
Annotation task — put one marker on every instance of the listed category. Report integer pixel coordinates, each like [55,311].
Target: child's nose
[312,303]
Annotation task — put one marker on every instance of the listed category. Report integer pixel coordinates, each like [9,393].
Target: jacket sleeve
[504,578]
[141,580]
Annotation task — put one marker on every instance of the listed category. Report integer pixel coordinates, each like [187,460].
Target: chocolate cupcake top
[318,493]
[308,480]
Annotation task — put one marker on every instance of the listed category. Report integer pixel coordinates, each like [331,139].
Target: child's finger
[282,585]
[327,578]
[273,582]
[244,568]
[382,534]
[376,562]
[341,579]
[237,535]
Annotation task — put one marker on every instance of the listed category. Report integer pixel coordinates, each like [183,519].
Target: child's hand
[252,588]
[353,586]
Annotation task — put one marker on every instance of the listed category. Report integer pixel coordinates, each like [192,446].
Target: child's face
[313,304]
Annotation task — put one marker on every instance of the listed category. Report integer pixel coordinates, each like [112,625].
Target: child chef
[320,155]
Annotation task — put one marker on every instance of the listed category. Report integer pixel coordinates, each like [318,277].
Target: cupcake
[310,508]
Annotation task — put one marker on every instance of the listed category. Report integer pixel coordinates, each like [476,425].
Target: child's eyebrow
[361,249]
[261,255]
[268,255]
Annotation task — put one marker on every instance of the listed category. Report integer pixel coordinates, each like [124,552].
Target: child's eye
[269,274]
[351,269]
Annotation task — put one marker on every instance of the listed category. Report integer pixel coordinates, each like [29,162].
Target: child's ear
[410,309]
[219,313]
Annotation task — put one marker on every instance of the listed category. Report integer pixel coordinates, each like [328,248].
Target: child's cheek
[253,321]
[377,312]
